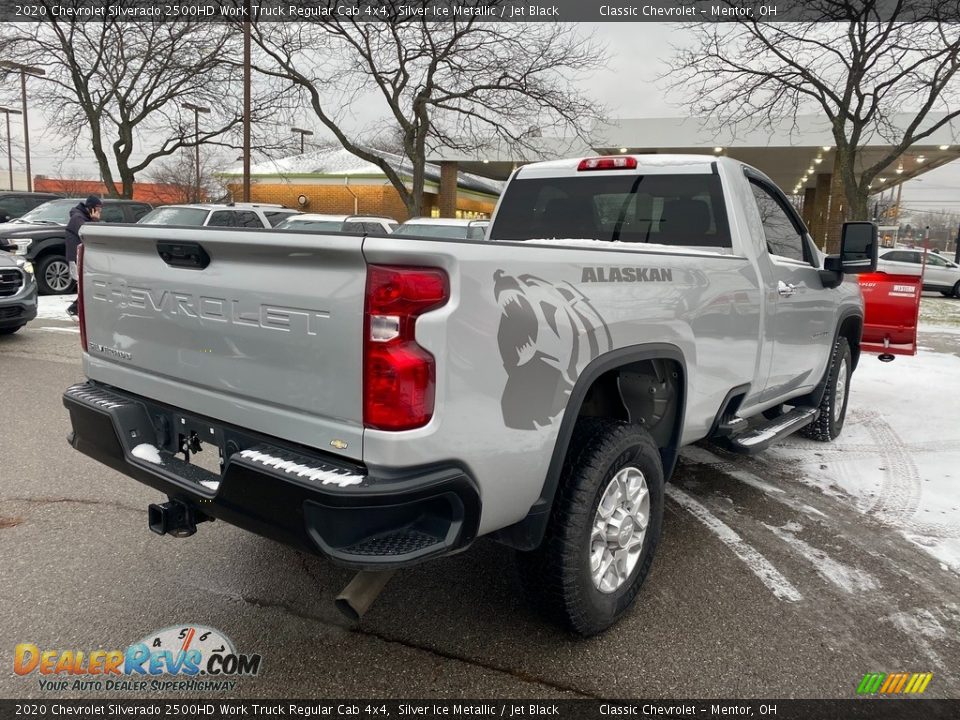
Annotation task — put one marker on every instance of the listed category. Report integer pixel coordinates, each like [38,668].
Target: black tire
[830,422]
[557,575]
[956,290]
[54,265]
[10,330]
[947,293]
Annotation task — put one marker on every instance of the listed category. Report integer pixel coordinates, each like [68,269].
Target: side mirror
[859,245]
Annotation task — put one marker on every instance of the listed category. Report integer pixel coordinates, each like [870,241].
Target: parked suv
[235,215]
[940,274]
[15,204]
[359,224]
[38,236]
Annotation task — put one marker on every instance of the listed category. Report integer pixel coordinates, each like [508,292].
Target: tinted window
[782,236]
[13,206]
[138,211]
[235,218]
[936,260]
[435,230]
[374,228]
[175,216]
[902,256]
[665,209]
[112,214]
[352,227]
[275,217]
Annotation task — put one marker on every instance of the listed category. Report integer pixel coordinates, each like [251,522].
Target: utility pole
[8,112]
[197,109]
[246,102]
[24,70]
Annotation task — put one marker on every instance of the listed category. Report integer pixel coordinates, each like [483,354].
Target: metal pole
[9,151]
[246,104]
[196,134]
[26,126]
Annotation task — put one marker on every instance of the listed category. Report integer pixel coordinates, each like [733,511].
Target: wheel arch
[600,391]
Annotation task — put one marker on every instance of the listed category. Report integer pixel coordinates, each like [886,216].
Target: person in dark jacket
[83,213]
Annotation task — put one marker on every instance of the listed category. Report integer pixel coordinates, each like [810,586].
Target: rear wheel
[833,406]
[53,275]
[10,330]
[603,530]
[956,290]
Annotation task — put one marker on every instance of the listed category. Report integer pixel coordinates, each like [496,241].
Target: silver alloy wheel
[841,391]
[619,528]
[57,275]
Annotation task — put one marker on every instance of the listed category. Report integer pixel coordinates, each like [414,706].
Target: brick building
[331,180]
[153,193]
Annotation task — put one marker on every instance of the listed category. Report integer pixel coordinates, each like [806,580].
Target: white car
[940,273]
[359,224]
[444,228]
[235,215]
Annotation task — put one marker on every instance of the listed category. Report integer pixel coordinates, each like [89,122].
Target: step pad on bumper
[300,466]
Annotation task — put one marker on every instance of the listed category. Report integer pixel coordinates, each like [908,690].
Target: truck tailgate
[268,335]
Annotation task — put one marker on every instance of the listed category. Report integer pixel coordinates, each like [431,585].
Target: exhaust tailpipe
[361,592]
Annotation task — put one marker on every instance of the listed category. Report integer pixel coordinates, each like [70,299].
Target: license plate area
[199,444]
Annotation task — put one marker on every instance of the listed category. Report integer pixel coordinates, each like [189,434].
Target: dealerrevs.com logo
[197,658]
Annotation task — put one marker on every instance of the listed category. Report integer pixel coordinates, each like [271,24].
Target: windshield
[57,211]
[434,230]
[294,223]
[175,216]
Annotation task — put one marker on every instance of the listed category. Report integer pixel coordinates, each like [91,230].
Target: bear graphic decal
[546,333]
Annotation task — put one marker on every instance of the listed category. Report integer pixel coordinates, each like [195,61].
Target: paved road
[762,586]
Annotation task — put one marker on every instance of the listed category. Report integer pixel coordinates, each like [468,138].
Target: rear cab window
[666,209]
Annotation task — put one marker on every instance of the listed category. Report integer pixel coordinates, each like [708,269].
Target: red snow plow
[891,309]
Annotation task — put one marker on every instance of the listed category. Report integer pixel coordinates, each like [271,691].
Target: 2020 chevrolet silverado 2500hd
[388,401]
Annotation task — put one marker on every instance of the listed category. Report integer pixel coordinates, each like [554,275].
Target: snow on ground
[54,307]
[898,458]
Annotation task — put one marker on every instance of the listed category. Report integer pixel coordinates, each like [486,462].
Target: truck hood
[21,230]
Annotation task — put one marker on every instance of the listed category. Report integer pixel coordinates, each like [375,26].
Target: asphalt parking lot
[800,595]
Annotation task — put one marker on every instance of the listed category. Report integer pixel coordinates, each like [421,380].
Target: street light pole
[8,113]
[302,133]
[246,103]
[25,70]
[197,109]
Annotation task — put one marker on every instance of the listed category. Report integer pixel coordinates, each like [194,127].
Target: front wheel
[833,406]
[603,530]
[53,275]
[956,290]
[10,330]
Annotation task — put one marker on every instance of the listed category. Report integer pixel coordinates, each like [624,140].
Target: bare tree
[177,176]
[460,83]
[121,86]
[873,63]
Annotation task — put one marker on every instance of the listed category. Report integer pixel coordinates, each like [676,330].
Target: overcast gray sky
[627,86]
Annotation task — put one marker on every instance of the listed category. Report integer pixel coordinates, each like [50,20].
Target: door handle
[785,289]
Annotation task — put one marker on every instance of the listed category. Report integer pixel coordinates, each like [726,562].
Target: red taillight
[80,315]
[610,162]
[399,376]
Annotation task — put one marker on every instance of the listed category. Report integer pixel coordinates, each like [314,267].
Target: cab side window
[112,214]
[782,236]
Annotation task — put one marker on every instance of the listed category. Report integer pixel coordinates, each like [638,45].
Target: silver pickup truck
[386,400]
